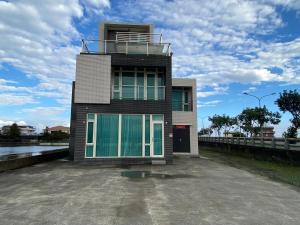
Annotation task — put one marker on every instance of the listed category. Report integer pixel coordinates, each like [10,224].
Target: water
[138,175]
[27,149]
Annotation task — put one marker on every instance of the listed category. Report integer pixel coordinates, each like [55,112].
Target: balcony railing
[139,92]
[139,37]
[126,47]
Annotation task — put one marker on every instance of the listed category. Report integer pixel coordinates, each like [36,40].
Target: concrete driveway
[192,191]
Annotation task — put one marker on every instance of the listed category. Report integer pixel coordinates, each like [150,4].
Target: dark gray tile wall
[79,111]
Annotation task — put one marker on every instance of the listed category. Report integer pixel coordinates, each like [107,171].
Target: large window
[124,135]
[138,84]
[181,100]
[132,135]
[107,135]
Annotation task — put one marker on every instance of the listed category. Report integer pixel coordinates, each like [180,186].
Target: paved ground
[192,191]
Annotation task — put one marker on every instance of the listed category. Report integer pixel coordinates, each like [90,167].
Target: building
[59,128]
[267,132]
[25,130]
[122,100]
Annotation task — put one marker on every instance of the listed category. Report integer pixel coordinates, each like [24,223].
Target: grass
[275,170]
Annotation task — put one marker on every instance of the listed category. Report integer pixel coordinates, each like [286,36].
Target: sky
[229,46]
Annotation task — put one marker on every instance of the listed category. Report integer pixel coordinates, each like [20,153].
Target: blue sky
[229,46]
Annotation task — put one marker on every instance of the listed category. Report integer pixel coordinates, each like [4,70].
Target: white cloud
[37,37]
[10,122]
[44,111]
[214,41]
[212,103]
[12,99]
[250,90]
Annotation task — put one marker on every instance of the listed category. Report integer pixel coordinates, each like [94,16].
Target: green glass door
[157,139]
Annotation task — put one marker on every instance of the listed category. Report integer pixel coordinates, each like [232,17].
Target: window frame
[144,144]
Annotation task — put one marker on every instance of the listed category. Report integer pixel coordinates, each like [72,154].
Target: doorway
[181,139]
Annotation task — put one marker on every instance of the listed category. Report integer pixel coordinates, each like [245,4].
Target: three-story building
[122,99]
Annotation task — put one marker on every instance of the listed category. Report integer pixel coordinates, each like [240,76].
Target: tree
[46,134]
[14,131]
[219,122]
[253,119]
[289,101]
[205,131]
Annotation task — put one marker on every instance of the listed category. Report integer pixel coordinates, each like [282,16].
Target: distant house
[59,128]
[267,132]
[24,130]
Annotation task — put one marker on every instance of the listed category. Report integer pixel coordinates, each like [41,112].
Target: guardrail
[292,144]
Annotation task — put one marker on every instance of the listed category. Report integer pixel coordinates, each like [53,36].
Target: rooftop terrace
[129,43]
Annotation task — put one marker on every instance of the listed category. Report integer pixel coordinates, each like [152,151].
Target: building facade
[25,130]
[122,98]
[59,129]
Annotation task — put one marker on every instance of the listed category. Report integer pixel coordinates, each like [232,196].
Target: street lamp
[259,104]
[259,98]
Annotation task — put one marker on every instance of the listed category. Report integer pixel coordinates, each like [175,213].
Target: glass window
[131,140]
[90,116]
[147,150]
[128,80]
[150,86]
[160,87]
[157,138]
[107,135]
[140,86]
[89,151]
[147,129]
[116,80]
[157,117]
[160,79]
[177,100]
[90,132]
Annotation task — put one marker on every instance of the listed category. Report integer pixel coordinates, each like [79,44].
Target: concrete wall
[93,79]
[188,118]
[15,163]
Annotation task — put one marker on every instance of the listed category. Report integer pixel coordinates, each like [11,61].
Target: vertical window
[128,85]
[150,86]
[90,133]
[186,101]
[160,87]
[89,149]
[176,100]
[147,135]
[116,89]
[157,138]
[140,86]
[107,135]
[131,141]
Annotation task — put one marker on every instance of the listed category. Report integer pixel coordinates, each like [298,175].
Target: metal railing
[138,37]
[292,144]
[139,92]
[125,47]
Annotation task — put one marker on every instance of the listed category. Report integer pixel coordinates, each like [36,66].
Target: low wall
[269,154]
[16,163]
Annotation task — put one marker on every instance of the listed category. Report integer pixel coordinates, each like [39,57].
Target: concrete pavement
[192,191]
